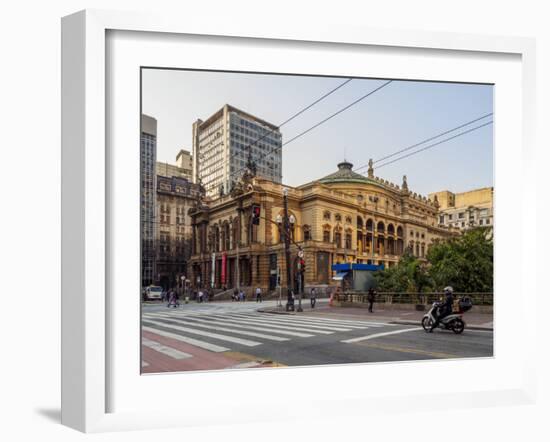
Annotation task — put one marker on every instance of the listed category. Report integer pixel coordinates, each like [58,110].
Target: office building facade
[223,143]
[148,155]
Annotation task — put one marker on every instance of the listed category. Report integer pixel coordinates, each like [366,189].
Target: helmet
[448,289]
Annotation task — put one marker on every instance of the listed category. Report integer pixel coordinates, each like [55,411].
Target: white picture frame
[86,211]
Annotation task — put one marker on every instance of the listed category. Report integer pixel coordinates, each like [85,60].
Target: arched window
[391,230]
[359,223]
[348,239]
[338,238]
[227,236]
[370,225]
[400,232]
[380,227]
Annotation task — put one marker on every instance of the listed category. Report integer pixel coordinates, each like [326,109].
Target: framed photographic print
[248,210]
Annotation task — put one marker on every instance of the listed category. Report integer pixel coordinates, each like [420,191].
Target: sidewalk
[475,321]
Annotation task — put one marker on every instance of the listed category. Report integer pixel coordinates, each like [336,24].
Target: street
[230,335]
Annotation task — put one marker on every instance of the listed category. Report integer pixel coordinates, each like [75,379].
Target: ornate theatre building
[343,217]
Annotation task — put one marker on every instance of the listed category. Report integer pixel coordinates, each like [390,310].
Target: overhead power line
[322,122]
[426,140]
[435,144]
[290,119]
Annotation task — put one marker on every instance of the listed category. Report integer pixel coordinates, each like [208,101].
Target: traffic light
[256,211]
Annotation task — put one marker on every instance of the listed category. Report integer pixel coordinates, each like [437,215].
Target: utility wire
[289,120]
[435,144]
[426,140]
[324,121]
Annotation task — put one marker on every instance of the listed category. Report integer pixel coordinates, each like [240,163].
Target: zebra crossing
[181,335]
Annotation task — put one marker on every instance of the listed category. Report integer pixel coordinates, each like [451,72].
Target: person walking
[371,295]
[235,296]
[201,294]
[258,294]
[172,299]
[312,297]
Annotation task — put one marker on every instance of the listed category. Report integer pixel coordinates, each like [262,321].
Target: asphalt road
[233,335]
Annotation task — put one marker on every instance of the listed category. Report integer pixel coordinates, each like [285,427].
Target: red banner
[224,266]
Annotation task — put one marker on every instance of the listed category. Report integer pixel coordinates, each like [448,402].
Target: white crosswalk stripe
[241,324]
[168,351]
[240,341]
[187,340]
[232,325]
[272,324]
[307,322]
[205,324]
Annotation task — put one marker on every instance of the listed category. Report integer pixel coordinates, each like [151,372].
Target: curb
[471,327]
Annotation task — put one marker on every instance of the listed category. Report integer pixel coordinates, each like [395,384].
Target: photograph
[303,220]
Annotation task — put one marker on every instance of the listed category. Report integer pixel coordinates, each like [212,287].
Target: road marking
[315,325]
[285,327]
[195,342]
[259,327]
[379,335]
[168,351]
[297,319]
[240,341]
[206,324]
[433,354]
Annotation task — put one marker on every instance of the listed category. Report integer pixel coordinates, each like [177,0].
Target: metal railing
[478,298]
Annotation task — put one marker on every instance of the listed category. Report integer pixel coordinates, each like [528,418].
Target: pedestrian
[258,294]
[371,295]
[241,295]
[201,294]
[235,296]
[313,297]
[171,295]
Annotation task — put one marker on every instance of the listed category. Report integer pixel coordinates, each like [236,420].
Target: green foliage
[409,275]
[464,262]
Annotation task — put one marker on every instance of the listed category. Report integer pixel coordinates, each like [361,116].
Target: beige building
[184,160]
[465,210]
[174,197]
[182,169]
[342,217]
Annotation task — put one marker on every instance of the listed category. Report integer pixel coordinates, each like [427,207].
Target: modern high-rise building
[223,142]
[148,197]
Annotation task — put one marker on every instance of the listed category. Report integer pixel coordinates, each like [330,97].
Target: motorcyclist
[446,308]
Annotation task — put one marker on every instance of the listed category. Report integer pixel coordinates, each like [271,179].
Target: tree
[464,262]
[409,275]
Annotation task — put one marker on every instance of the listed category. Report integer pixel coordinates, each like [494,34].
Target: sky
[397,116]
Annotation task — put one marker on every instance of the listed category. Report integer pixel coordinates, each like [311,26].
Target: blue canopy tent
[355,276]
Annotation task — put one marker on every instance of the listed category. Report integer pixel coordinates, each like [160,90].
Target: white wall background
[30,215]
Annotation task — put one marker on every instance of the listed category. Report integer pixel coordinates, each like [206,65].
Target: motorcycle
[452,321]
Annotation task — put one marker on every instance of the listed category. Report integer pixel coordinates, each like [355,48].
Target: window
[348,240]
[461,215]
[326,235]
[338,239]
[441,219]
[450,216]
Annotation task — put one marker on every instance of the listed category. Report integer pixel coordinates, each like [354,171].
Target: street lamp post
[300,256]
[286,233]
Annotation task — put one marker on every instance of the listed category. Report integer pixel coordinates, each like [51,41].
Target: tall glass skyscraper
[148,194]
[222,143]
